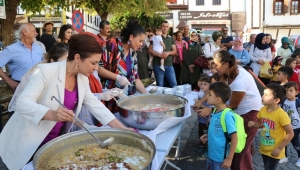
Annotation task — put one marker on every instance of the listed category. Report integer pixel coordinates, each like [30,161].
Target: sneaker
[298,163]
[162,67]
[150,66]
[283,160]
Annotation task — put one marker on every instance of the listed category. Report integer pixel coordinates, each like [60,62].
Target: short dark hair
[165,22]
[291,84]
[221,90]
[224,27]
[149,29]
[205,79]
[83,44]
[277,90]
[215,76]
[288,71]
[103,23]
[56,52]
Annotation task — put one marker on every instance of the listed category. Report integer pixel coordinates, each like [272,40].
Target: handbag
[202,61]
[266,71]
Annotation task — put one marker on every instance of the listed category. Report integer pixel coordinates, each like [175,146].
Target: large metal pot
[78,138]
[150,120]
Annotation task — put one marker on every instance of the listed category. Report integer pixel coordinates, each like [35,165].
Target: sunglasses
[68,26]
[150,35]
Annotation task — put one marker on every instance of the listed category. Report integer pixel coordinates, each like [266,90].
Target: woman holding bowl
[38,119]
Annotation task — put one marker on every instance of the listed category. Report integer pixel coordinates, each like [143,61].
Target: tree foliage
[102,7]
[136,8]
[144,20]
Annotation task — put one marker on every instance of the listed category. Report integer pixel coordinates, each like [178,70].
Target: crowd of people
[89,70]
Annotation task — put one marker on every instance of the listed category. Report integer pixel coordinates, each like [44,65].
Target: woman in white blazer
[36,114]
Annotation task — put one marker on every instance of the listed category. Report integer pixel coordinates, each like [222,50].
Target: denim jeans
[169,73]
[269,162]
[213,165]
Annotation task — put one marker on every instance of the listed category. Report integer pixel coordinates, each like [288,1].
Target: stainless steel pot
[78,138]
[150,120]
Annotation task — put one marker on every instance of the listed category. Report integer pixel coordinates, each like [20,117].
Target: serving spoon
[104,144]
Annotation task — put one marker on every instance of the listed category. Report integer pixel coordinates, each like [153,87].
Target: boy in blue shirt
[219,93]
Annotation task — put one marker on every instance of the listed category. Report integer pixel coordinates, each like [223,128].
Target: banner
[2,9]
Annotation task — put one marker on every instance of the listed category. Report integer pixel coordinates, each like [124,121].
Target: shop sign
[203,15]
[43,19]
[166,15]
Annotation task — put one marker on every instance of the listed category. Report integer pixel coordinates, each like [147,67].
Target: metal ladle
[104,144]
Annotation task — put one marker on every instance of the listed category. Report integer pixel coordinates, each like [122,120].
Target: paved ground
[190,159]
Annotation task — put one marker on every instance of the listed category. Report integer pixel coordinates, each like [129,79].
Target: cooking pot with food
[78,150]
[147,111]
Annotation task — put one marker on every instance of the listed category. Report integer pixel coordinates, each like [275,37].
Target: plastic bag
[266,71]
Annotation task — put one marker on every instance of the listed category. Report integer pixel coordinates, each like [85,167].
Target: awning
[181,24]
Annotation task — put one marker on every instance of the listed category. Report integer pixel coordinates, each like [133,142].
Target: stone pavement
[190,159]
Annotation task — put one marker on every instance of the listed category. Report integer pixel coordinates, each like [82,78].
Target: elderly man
[247,45]
[48,38]
[185,35]
[20,56]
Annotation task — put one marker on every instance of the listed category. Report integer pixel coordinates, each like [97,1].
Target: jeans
[213,165]
[270,163]
[169,73]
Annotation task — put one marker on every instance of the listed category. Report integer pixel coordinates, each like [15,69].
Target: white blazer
[26,130]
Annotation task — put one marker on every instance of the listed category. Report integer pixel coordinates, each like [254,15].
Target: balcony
[177,4]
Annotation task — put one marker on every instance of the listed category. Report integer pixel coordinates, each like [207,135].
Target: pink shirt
[71,100]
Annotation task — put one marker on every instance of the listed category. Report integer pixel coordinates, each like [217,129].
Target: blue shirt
[216,136]
[243,56]
[19,59]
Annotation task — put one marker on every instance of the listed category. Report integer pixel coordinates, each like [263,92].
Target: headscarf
[238,48]
[192,43]
[286,40]
[258,40]
[215,35]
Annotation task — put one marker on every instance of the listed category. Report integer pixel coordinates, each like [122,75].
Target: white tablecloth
[165,125]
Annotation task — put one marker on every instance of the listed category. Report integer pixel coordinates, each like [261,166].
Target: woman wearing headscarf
[241,55]
[212,47]
[286,50]
[189,73]
[260,52]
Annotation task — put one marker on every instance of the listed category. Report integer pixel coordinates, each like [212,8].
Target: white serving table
[164,138]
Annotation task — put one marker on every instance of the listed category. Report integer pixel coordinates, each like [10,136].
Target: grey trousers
[2,165]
